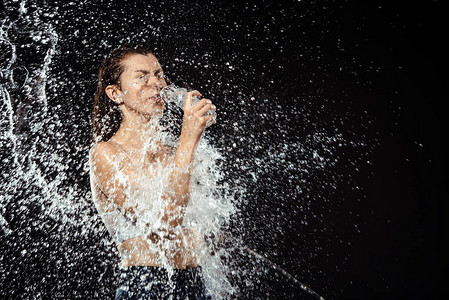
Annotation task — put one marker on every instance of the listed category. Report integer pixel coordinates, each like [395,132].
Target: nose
[154,81]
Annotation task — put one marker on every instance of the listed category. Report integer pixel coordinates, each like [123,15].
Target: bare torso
[146,251]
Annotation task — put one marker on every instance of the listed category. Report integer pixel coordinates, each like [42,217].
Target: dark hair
[106,116]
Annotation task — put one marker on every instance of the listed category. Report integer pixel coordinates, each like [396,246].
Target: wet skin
[137,94]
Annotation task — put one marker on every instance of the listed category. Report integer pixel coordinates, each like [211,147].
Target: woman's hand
[195,119]
[193,125]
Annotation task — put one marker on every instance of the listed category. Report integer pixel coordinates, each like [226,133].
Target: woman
[141,186]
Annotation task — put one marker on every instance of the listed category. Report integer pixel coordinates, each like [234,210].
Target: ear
[114,94]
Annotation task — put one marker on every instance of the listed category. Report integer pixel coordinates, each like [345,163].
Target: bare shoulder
[101,149]
[103,153]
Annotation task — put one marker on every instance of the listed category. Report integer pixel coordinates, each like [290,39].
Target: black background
[379,63]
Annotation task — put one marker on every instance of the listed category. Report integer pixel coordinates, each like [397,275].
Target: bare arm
[112,178]
[177,195]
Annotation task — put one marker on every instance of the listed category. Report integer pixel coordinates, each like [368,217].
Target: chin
[158,110]
[159,106]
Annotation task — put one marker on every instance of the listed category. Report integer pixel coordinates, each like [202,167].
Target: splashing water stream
[255,177]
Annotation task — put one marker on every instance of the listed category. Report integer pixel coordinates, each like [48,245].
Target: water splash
[283,163]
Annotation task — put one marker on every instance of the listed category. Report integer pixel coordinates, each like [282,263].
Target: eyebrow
[147,72]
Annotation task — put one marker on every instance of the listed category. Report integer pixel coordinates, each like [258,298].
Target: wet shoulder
[102,150]
[105,154]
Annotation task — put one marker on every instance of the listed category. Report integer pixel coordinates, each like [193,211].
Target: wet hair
[106,115]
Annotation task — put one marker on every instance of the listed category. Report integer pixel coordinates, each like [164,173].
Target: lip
[156,98]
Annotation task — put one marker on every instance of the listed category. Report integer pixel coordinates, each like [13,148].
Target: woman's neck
[138,131]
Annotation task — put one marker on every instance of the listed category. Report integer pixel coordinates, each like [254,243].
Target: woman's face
[140,84]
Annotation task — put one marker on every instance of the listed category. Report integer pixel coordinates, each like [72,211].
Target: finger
[188,102]
[211,120]
[206,108]
[201,104]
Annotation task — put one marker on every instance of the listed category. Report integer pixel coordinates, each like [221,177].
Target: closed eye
[146,74]
[159,74]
